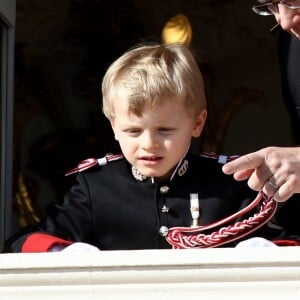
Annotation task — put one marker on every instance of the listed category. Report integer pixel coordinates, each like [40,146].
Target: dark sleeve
[66,222]
[288,53]
[32,240]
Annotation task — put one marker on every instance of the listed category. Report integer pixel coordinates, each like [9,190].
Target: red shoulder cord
[194,237]
[90,162]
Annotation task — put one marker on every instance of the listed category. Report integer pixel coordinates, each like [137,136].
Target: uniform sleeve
[65,223]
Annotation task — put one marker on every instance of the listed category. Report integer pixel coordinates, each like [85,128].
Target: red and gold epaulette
[91,162]
[222,159]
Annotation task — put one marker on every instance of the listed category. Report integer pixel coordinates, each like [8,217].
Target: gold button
[164,189]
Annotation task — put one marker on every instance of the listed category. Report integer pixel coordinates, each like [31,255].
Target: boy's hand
[80,248]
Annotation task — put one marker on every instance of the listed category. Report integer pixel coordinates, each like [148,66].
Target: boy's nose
[149,141]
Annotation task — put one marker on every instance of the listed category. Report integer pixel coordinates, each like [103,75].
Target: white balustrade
[225,273]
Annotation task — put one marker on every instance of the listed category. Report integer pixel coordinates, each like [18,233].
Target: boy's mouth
[150,159]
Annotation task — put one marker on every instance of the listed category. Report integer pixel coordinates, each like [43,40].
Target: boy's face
[158,139]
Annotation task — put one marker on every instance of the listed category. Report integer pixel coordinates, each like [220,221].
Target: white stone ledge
[266,273]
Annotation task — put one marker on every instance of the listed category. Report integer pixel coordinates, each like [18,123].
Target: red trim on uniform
[41,242]
[286,243]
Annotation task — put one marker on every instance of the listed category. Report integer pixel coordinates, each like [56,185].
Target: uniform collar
[180,170]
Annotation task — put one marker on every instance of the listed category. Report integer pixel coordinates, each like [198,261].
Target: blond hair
[151,74]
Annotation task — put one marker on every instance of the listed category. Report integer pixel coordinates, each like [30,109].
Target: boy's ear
[199,123]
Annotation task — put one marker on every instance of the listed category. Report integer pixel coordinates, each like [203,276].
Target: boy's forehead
[125,104]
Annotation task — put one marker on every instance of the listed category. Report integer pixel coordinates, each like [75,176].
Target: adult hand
[273,170]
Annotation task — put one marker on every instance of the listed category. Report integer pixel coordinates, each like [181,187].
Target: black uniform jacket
[112,209]
[289,52]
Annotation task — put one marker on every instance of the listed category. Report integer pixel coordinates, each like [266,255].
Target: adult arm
[274,170]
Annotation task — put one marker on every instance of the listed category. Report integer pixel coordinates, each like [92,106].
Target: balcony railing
[265,273]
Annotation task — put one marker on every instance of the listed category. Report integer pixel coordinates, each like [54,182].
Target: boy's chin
[156,175]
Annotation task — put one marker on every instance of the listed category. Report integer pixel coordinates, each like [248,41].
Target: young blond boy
[153,96]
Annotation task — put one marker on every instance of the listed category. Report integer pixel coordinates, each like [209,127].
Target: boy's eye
[164,129]
[133,130]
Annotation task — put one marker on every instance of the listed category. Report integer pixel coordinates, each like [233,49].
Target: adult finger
[245,162]
[242,175]
[285,191]
[270,187]
[260,177]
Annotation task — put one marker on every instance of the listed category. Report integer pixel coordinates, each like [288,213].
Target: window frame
[7,33]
